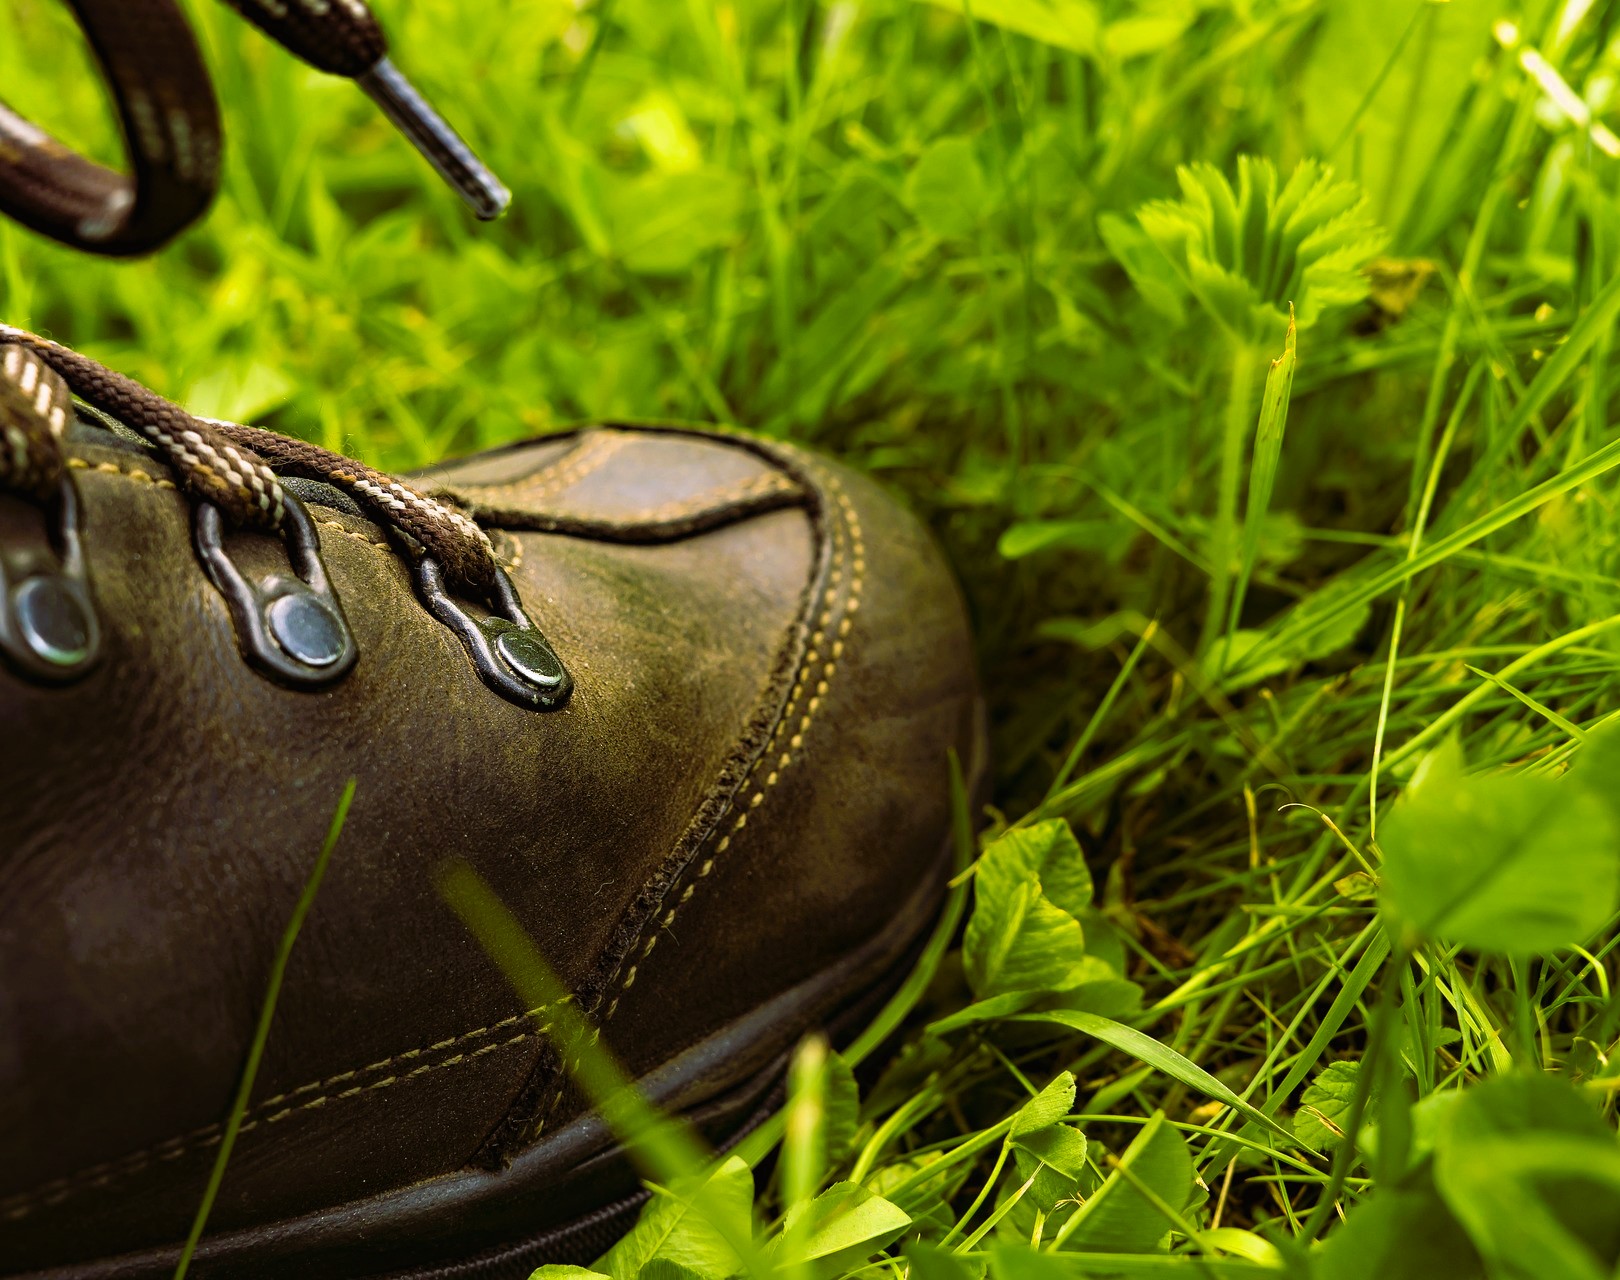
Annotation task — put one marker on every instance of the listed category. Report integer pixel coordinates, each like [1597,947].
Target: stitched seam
[852,546]
[265,1112]
[113,469]
[767,483]
[350,533]
[574,466]
[823,683]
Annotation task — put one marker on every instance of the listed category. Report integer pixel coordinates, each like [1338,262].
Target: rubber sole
[571,1195]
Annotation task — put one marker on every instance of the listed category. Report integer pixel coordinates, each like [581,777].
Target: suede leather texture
[771,664]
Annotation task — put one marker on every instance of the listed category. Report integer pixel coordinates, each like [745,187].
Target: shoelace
[222,463]
[291,627]
[170,120]
[34,410]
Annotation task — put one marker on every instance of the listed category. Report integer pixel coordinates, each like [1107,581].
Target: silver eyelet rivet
[306,629]
[51,621]
[531,657]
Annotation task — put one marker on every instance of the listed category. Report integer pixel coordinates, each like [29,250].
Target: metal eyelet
[48,625]
[507,649]
[290,628]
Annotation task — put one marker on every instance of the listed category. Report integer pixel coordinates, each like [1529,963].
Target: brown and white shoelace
[292,628]
[171,125]
[222,463]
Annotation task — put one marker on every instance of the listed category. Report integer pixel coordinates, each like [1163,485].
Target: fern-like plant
[1259,260]
[1247,254]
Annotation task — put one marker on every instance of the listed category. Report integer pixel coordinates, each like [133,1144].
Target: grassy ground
[1239,583]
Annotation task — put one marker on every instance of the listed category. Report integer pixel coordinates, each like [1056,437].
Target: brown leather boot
[683,699]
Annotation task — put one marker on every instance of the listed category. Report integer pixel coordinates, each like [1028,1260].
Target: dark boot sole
[568,1198]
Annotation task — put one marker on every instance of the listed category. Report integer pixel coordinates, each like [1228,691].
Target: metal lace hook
[507,649]
[48,625]
[291,627]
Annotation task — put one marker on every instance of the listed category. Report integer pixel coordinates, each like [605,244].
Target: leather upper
[770,663]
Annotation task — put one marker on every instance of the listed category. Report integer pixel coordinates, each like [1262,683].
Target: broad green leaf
[239,390]
[1049,851]
[1103,939]
[1068,24]
[665,1269]
[946,188]
[1157,28]
[1118,1217]
[1533,1174]
[841,1228]
[1404,1234]
[1111,997]
[1160,1057]
[1060,1147]
[560,1271]
[1029,885]
[1508,862]
[672,1229]
[1046,1108]
[1324,1108]
[1243,1244]
[927,1262]
[1028,537]
[1052,1161]
[661,126]
[1597,766]
[1017,940]
[930,1210]
[1430,1116]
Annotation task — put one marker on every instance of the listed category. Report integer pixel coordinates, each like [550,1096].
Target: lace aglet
[428,131]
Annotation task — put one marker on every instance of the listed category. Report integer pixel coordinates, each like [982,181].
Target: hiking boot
[682,699]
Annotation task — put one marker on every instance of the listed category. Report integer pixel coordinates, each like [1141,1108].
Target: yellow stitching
[350,533]
[575,465]
[58,1197]
[135,473]
[769,482]
[857,544]
[113,469]
[59,1189]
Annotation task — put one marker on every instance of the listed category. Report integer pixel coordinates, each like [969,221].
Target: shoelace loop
[217,462]
[34,410]
[169,116]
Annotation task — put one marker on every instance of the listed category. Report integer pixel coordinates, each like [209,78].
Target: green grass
[1227,608]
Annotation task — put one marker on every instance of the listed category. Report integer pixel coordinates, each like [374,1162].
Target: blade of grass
[666,1148]
[261,1033]
[1263,469]
[1144,1048]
